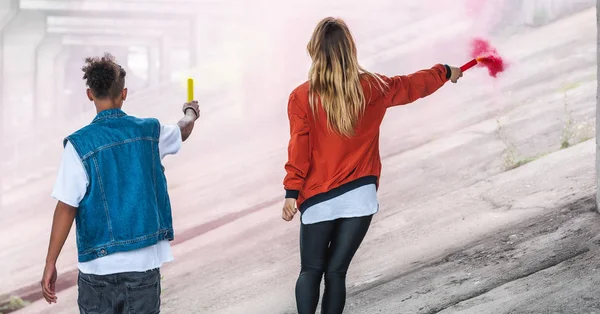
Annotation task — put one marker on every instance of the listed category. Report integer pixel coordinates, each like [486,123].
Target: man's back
[126,205]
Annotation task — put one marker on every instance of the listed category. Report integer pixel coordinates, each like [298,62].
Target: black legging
[327,247]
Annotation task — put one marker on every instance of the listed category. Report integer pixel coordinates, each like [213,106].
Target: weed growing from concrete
[13,304]
[574,132]
[510,156]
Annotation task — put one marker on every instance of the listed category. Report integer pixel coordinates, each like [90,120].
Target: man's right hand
[49,283]
[192,106]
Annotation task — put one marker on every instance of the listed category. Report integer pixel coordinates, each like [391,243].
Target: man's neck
[106,105]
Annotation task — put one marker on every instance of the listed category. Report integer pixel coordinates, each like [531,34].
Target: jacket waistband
[333,193]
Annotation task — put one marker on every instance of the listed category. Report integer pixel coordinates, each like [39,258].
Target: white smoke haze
[246,57]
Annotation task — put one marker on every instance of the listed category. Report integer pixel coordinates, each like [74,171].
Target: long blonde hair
[335,76]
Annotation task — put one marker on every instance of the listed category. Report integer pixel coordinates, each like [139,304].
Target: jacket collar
[109,114]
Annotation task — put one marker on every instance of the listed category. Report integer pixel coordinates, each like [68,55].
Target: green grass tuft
[568,87]
[13,304]
[574,132]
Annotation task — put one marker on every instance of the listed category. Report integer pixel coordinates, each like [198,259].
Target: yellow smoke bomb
[190,89]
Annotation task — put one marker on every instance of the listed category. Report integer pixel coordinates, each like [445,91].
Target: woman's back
[321,159]
[337,159]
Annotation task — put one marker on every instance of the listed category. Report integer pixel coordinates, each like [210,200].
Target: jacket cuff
[292,194]
[448,71]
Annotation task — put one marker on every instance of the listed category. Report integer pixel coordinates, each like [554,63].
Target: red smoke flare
[485,55]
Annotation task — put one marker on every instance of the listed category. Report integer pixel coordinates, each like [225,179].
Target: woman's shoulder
[373,84]
[300,93]
[301,90]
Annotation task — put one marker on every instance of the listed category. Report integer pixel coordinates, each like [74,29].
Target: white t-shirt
[71,185]
[360,202]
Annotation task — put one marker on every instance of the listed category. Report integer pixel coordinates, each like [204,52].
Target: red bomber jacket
[320,160]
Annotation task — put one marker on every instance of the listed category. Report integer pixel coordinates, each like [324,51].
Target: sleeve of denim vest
[169,141]
[298,149]
[72,181]
[405,89]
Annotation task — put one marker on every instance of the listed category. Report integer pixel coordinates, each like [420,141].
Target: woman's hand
[289,209]
[455,74]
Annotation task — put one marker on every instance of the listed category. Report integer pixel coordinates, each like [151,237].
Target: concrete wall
[8,9]
[503,17]
[45,95]
[21,39]
[598,106]
[540,12]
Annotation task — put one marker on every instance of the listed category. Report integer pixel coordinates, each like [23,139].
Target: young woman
[334,165]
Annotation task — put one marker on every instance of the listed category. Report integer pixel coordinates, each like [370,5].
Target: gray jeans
[135,292]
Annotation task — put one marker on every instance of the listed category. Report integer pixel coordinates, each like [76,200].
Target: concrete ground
[547,264]
[457,231]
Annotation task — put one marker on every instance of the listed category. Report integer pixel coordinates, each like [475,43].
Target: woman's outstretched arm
[405,89]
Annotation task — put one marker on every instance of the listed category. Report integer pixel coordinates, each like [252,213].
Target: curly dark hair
[104,76]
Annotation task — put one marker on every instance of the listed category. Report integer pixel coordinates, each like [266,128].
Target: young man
[111,181]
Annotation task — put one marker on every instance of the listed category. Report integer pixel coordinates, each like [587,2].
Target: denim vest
[126,205]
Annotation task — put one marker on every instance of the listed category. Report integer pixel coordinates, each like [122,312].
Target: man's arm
[186,124]
[69,189]
[61,226]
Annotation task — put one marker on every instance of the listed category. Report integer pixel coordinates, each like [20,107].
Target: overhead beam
[77,21]
[99,40]
[146,32]
[178,28]
[131,7]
